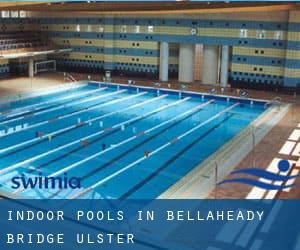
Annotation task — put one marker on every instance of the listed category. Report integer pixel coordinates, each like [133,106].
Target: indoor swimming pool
[121,141]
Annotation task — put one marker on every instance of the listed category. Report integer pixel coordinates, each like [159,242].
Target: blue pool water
[123,142]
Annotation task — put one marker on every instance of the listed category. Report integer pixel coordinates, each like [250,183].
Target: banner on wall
[150,224]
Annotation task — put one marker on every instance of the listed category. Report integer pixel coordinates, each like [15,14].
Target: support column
[31,67]
[186,63]
[164,62]
[210,64]
[224,66]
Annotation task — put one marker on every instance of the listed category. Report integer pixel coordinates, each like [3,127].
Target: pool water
[121,141]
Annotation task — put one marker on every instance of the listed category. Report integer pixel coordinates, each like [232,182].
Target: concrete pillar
[164,62]
[210,67]
[186,63]
[31,67]
[198,62]
[224,66]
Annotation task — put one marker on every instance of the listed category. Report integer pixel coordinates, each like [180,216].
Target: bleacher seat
[23,42]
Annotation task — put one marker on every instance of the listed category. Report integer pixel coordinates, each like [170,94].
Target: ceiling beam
[150,8]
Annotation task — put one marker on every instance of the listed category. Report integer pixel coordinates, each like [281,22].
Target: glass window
[89,28]
[150,29]
[14,14]
[243,33]
[5,14]
[123,29]
[100,29]
[261,34]
[22,14]
[137,29]
[278,35]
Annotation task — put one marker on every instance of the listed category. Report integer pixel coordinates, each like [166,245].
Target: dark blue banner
[150,224]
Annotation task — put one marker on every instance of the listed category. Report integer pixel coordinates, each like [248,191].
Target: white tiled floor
[290,148]
[296,151]
[287,148]
[295,136]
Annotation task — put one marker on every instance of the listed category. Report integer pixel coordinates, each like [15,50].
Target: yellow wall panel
[268,70]
[250,51]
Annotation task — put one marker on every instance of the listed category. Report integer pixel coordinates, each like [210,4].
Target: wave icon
[283,166]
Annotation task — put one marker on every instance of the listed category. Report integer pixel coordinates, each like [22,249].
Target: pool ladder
[274,102]
[157,85]
[69,77]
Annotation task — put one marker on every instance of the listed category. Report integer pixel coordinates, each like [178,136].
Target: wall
[16,25]
[265,46]
[4,68]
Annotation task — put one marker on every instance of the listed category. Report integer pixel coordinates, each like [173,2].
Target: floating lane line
[167,163]
[110,114]
[119,125]
[77,125]
[82,110]
[43,111]
[40,105]
[122,110]
[138,135]
[14,166]
[48,104]
[40,95]
[88,189]
[114,127]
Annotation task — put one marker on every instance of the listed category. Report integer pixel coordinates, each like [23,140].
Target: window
[137,29]
[278,35]
[89,28]
[123,29]
[22,14]
[261,34]
[5,14]
[78,27]
[100,29]
[14,14]
[150,29]
[243,33]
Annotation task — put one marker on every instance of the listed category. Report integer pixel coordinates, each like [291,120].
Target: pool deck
[281,142]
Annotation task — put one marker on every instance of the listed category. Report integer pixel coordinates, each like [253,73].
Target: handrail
[70,77]
[183,87]
[275,101]
[156,85]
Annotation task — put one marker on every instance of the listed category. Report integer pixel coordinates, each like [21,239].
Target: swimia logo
[44,182]
[267,180]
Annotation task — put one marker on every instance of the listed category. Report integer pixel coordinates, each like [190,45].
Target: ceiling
[140,7]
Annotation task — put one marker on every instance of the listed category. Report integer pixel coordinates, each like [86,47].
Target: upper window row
[261,34]
[13,14]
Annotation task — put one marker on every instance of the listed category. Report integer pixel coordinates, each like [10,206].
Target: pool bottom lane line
[130,121]
[138,135]
[88,189]
[52,108]
[64,130]
[115,127]
[75,126]
[72,113]
[4,114]
[156,172]
[85,123]
[50,104]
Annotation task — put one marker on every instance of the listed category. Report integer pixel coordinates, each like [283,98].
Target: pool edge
[201,181]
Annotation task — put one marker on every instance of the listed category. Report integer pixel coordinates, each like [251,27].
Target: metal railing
[69,77]
[277,101]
